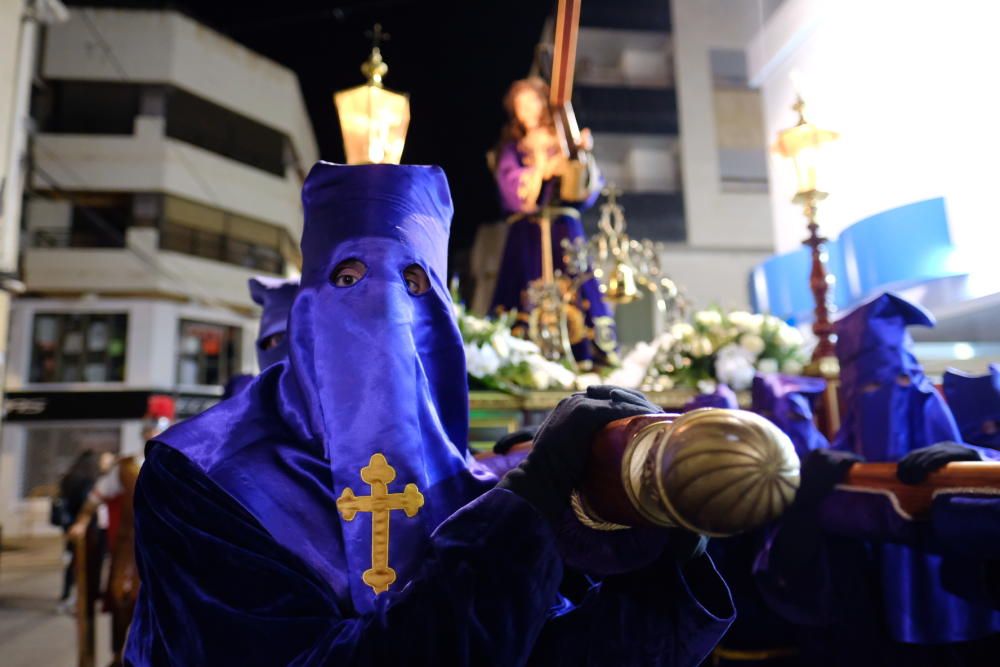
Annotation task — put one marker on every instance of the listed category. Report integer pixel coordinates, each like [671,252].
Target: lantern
[373,119]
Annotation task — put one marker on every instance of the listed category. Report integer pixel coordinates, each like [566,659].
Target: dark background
[454,58]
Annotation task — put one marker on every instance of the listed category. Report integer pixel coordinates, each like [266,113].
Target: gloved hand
[557,462]
[504,444]
[915,466]
[822,470]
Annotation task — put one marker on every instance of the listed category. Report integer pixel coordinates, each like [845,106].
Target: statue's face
[528,107]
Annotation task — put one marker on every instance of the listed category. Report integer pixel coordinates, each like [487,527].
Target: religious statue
[536,180]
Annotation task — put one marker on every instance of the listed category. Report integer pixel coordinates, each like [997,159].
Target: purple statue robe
[522,255]
[245,558]
[875,598]
[975,402]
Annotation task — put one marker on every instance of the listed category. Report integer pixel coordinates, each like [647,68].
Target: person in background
[74,488]
[114,490]
[274,296]
[529,163]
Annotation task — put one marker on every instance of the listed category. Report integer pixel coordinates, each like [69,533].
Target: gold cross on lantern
[378,473]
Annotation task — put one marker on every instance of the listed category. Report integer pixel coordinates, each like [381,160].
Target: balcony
[147,161]
[141,268]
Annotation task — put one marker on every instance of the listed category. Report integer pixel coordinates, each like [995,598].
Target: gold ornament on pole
[373,119]
[803,143]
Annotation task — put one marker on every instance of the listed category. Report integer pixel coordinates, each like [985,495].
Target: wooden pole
[84,607]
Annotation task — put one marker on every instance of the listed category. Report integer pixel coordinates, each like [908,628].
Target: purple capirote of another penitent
[274,296]
[975,402]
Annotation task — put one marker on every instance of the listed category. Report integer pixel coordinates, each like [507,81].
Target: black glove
[557,462]
[505,443]
[915,466]
[822,470]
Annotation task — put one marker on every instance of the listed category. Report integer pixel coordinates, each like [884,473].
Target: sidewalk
[32,631]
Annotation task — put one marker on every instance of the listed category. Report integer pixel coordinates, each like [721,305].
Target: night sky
[454,58]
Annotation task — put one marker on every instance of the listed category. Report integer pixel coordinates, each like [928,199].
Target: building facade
[166,166]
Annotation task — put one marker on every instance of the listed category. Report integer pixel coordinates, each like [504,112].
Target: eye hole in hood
[348,273]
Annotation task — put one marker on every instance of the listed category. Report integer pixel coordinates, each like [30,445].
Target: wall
[714,218]
[166,47]
[909,85]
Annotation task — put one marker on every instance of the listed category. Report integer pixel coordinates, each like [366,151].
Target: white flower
[734,366]
[708,318]
[475,325]
[790,336]
[681,330]
[752,343]
[587,379]
[791,367]
[545,373]
[481,361]
[767,365]
[707,386]
[756,322]
[701,347]
[740,319]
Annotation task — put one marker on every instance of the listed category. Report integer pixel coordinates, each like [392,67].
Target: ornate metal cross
[378,473]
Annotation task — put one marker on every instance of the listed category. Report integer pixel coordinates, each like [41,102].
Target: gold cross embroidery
[378,473]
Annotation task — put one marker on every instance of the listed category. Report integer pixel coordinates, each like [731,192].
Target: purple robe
[788,402]
[721,397]
[244,556]
[522,254]
[975,402]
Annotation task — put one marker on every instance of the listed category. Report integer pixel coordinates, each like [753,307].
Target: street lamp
[373,119]
[803,143]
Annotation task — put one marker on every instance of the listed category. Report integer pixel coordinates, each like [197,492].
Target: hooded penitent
[975,402]
[274,296]
[788,402]
[372,368]
[890,408]
[375,368]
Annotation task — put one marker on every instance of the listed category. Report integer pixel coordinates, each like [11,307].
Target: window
[51,450]
[100,220]
[217,129]
[78,347]
[203,231]
[208,354]
[739,124]
[89,107]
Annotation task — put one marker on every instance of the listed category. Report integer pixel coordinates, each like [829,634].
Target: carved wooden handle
[981,477]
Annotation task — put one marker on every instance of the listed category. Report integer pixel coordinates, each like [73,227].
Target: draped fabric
[788,402]
[243,555]
[720,397]
[521,262]
[975,402]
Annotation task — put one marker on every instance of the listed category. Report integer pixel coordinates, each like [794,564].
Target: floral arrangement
[714,347]
[497,359]
[717,346]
